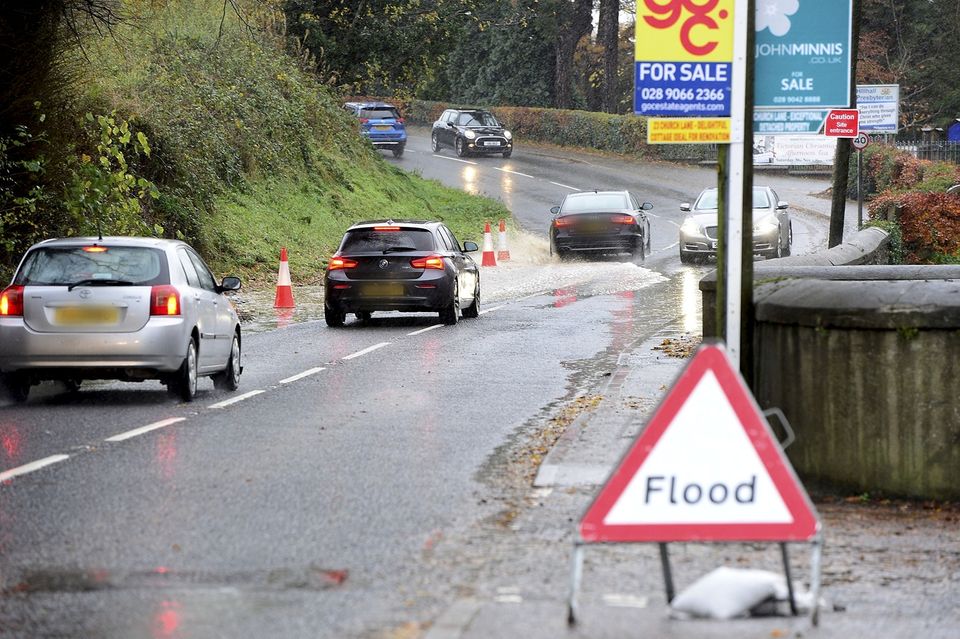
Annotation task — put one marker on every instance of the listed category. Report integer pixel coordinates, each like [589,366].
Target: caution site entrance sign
[706,468]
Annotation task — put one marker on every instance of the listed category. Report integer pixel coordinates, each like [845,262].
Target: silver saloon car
[772,227]
[120,308]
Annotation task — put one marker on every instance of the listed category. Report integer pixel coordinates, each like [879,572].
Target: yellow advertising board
[683,58]
[688,131]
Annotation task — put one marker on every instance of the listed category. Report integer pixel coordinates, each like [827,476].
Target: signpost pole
[859,189]
[576,574]
[667,573]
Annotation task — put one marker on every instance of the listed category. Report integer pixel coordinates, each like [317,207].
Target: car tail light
[399,120]
[164,300]
[622,219]
[341,263]
[11,301]
[94,249]
[562,222]
[364,120]
[431,261]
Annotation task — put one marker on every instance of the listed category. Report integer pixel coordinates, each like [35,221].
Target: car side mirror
[685,206]
[554,209]
[782,205]
[646,206]
[230,283]
[470,247]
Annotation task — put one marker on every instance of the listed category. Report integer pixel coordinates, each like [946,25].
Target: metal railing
[938,151]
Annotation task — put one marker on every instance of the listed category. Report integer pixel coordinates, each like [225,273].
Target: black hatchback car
[401,265]
[471,131]
[600,222]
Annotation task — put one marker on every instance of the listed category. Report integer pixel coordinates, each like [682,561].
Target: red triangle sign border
[709,358]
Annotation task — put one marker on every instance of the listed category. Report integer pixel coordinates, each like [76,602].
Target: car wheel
[461,148]
[686,258]
[334,316]
[72,385]
[184,382]
[398,151]
[473,311]
[450,314]
[229,379]
[364,316]
[17,386]
[434,143]
[507,154]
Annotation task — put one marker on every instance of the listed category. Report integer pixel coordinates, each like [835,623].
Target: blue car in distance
[381,124]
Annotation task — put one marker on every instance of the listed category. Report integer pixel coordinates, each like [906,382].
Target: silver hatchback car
[117,308]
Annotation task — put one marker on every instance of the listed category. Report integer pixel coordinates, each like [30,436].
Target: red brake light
[622,219]
[11,301]
[399,120]
[562,222]
[95,249]
[164,300]
[432,261]
[386,228]
[340,263]
[364,120]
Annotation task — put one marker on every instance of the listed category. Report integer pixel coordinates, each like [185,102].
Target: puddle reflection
[690,301]
[166,620]
[10,442]
[469,175]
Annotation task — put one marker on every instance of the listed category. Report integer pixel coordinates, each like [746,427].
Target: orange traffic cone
[284,298]
[488,258]
[503,254]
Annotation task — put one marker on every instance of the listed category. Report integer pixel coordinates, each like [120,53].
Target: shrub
[929,224]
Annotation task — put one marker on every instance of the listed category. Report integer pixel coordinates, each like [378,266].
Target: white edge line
[306,373]
[442,157]
[32,466]
[490,310]
[424,330]
[566,186]
[513,172]
[366,350]
[234,400]
[144,429]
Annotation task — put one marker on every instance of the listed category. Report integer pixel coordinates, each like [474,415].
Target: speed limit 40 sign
[861,142]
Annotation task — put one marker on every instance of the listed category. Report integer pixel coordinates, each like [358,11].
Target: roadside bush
[929,224]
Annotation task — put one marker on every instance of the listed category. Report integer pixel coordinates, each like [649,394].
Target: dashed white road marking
[366,350]
[424,330]
[145,429]
[674,223]
[234,400]
[572,188]
[513,172]
[443,157]
[490,310]
[32,466]
[306,373]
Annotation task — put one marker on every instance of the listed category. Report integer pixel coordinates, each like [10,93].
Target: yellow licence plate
[382,127]
[86,315]
[593,227]
[383,289]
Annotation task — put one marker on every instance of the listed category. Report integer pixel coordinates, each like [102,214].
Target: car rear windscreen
[368,240]
[65,265]
[380,114]
[595,202]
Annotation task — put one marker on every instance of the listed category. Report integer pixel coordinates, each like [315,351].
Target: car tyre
[434,143]
[364,316]
[17,386]
[640,250]
[473,311]
[334,317]
[398,151]
[229,379]
[450,314]
[686,257]
[184,382]
[507,154]
[461,148]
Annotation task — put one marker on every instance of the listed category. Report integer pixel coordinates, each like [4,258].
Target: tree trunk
[576,20]
[608,35]
[841,162]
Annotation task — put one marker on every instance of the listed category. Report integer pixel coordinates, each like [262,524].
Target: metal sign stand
[816,556]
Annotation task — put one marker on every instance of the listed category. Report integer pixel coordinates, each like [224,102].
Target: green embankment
[249,152]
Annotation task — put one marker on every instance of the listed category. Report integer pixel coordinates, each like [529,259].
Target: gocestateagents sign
[803,54]
[684,50]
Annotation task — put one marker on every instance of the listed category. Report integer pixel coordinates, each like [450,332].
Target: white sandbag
[726,593]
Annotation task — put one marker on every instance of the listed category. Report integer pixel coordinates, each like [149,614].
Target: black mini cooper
[471,131]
